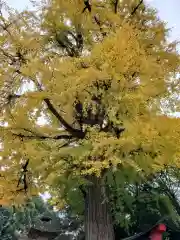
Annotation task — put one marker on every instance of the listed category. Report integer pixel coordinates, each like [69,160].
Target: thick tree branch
[116,6]
[30,134]
[136,8]
[35,136]
[77,133]
[42,137]
[23,177]
[74,132]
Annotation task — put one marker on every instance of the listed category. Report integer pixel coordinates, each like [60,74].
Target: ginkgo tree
[105,77]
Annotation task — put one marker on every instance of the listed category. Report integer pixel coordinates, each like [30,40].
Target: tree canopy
[105,78]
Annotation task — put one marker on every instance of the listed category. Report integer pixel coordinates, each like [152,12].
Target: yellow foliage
[101,81]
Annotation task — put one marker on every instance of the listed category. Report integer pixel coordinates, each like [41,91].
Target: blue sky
[168,11]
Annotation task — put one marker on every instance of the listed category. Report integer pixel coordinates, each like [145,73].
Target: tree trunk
[98,222]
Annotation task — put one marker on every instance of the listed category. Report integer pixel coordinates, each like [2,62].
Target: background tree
[7,224]
[36,215]
[104,80]
[139,206]
[15,220]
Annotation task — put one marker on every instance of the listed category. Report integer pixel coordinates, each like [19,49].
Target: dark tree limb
[116,6]
[39,137]
[99,24]
[33,135]
[110,127]
[23,177]
[87,6]
[79,38]
[65,43]
[136,8]
[83,191]
[74,132]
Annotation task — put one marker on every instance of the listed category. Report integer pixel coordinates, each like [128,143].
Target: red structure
[155,233]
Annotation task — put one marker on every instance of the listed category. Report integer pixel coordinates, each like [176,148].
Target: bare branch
[42,137]
[99,24]
[74,132]
[116,6]
[136,8]
[30,134]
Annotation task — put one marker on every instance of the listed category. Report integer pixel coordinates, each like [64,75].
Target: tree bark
[98,221]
